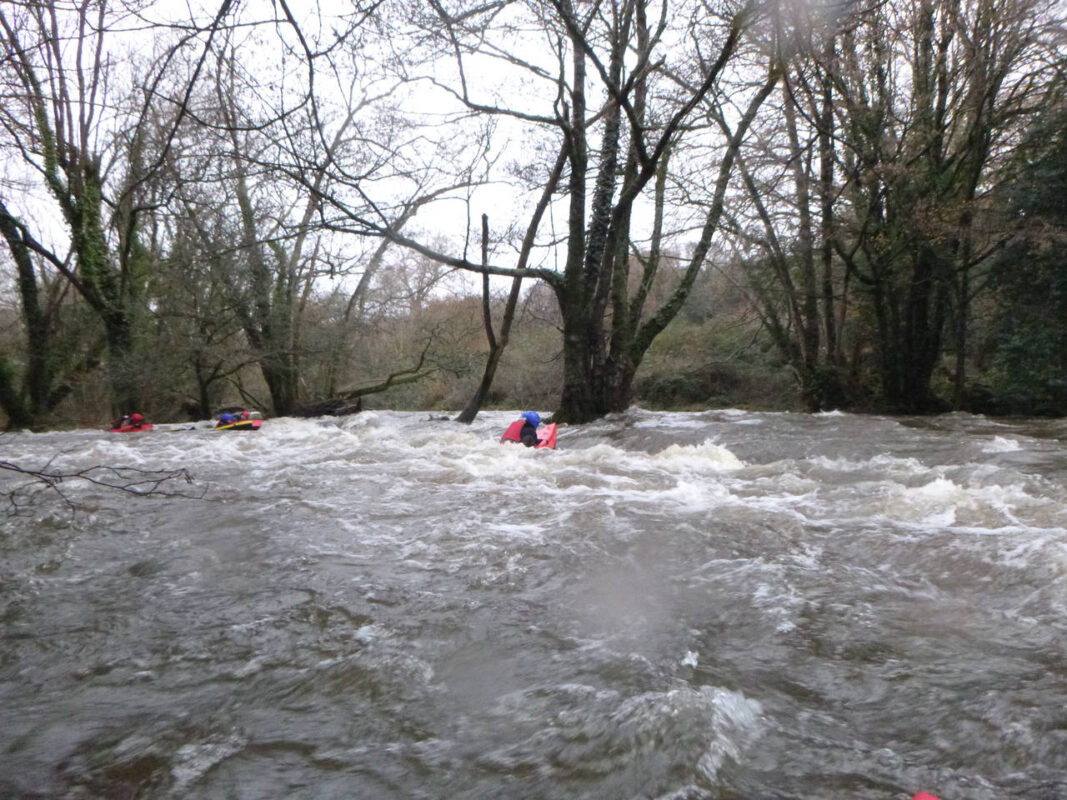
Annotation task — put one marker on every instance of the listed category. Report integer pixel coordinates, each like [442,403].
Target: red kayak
[546,434]
[131,428]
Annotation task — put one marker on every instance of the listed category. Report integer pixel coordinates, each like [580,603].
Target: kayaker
[528,433]
[226,419]
[524,429]
[134,420]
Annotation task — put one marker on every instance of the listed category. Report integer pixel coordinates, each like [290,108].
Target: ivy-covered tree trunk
[107,290]
[24,405]
[61,95]
[577,400]
[607,328]
[1029,338]
[911,322]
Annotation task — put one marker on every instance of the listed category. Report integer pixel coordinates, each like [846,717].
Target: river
[725,605]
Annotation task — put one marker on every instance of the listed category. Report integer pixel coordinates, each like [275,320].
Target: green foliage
[720,361]
[1028,374]
[528,376]
[10,400]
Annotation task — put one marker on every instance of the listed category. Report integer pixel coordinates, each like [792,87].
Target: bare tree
[865,199]
[43,384]
[800,292]
[278,140]
[933,94]
[60,92]
[618,85]
[497,344]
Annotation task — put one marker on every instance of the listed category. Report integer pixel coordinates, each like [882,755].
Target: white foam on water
[700,458]
[881,464]
[780,601]
[691,495]
[191,761]
[400,464]
[457,532]
[367,633]
[512,532]
[290,456]
[688,423]
[737,723]
[886,489]
[593,731]
[1000,444]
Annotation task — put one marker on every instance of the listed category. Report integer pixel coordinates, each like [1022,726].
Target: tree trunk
[826,199]
[576,403]
[121,369]
[37,380]
[496,346]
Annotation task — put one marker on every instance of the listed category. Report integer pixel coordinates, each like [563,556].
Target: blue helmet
[226,419]
[532,417]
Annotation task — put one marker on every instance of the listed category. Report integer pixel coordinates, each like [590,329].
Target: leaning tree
[607,91]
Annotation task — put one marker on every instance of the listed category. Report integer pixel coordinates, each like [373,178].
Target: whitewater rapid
[668,605]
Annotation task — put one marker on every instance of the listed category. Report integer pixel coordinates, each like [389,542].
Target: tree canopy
[275,204]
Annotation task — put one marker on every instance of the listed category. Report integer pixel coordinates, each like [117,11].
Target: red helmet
[136,419]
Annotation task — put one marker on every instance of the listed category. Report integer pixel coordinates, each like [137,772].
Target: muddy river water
[682,606]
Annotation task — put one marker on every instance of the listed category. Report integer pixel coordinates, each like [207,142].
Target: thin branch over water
[131,480]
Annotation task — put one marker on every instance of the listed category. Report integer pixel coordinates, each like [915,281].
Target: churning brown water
[683,606]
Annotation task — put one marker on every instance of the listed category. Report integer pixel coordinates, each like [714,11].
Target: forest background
[569,205]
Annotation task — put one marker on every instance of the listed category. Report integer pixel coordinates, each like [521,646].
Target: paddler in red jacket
[130,421]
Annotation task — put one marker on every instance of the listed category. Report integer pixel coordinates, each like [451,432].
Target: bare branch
[130,480]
